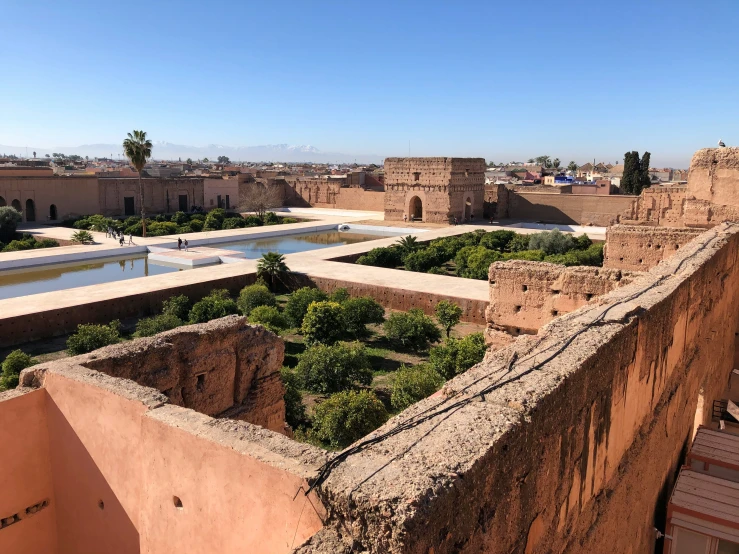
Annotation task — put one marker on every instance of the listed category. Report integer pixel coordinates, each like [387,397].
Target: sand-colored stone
[639,248]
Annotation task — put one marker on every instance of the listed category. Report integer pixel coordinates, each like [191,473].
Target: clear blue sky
[502,80]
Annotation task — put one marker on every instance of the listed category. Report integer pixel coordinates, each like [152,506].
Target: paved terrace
[53,313]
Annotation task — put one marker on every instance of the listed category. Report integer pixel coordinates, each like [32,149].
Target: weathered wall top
[714,176]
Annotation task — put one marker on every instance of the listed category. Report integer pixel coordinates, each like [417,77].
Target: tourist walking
[130,239]
[186,243]
[179,243]
[121,240]
[405,218]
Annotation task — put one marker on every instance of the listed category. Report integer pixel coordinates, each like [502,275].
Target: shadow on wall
[522,208]
[90,517]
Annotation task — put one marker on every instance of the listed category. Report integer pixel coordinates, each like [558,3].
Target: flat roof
[706,497]
[710,445]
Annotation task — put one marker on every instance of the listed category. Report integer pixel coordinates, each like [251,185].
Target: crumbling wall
[580,209]
[223,368]
[566,442]
[657,205]
[526,295]
[496,202]
[640,248]
[714,176]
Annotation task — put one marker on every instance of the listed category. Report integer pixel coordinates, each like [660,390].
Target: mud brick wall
[576,441]
[639,248]
[223,368]
[579,209]
[526,295]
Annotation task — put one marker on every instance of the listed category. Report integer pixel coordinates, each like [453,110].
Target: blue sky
[503,80]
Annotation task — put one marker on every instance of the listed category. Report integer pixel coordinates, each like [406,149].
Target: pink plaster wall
[25,475]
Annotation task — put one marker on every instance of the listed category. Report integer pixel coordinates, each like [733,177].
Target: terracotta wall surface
[574,441]
[353,198]
[71,195]
[640,248]
[714,176]
[225,367]
[212,188]
[526,295]
[657,206]
[160,195]
[568,208]
[133,474]
[28,507]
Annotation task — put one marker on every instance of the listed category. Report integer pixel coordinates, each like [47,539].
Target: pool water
[24,282]
[290,244]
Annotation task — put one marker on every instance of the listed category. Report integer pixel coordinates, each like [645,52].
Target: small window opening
[201,382]
[555,291]
[524,287]
[517,308]
[588,296]
[555,313]
[177,502]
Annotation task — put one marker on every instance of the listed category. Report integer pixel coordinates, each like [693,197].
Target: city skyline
[580,81]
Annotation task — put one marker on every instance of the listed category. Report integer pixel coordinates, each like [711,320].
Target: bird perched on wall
[721,144]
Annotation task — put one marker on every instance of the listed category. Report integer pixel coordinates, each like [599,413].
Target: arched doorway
[30,210]
[2,202]
[415,208]
[52,212]
[468,209]
[16,204]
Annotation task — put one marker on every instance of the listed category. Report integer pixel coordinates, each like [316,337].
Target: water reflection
[66,276]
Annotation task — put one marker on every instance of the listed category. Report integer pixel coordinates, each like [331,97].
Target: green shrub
[180,218]
[437,271]
[530,255]
[294,407]
[424,259]
[161,228]
[414,383]
[448,314]
[150,326]
[456,356]
[347,416]
[253,221]
[14,363]
[412,329]
[519,243]
[388,256]
[286,220]
[360,312]
[270,218]
[197,217]
[214,219]
[551,242]
[460,260]
[135,229]
[254,295]
[327,369]
[184,229]
[298,302]
[582,242]
[497,240]
[233,223]
[46,243]
[82,237]
[18,245]
[323,323]
[269,317]
[177,306]
[447,246]
[339,296]
[91,337]
[478,263]
[216,304]
[593,255]
[196,225]
[9,219]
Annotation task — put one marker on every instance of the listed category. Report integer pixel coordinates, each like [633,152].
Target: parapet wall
[580,209]
[92,463]
[714,176]
[525,295]
[640,248]
[225,367]
[566,442]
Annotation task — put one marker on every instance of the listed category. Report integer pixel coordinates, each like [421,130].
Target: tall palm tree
[272,266]
[138,150]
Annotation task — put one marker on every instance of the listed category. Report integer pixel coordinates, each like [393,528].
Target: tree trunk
[141,199]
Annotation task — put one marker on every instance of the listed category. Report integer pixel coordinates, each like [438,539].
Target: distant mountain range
[169,151]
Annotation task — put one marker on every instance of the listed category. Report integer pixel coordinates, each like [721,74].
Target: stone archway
[30,210]
[3,202]
[468,209]
[52,212]
[16,204]
[415,209]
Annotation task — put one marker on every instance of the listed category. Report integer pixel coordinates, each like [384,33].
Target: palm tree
[408,244]
[272,266]
[138,149]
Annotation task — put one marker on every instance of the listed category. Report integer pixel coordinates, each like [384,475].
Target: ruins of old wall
[714,176]
[27,513]
[525,295]
[354,198]
[133,474]
[580,209]
[70,195]
[639,248]
[160,195]
[225,367]
[434,200]
[496,202]
[565,442]
[657,206]
[435,171]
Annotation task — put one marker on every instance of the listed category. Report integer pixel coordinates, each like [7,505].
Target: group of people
[119,236]
[181,243]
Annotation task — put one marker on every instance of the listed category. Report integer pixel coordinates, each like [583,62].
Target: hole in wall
[201,382]
[588,296]
[555,291]
[101,504]
[177,502]
[524,287]
[517,308]
[555,313]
